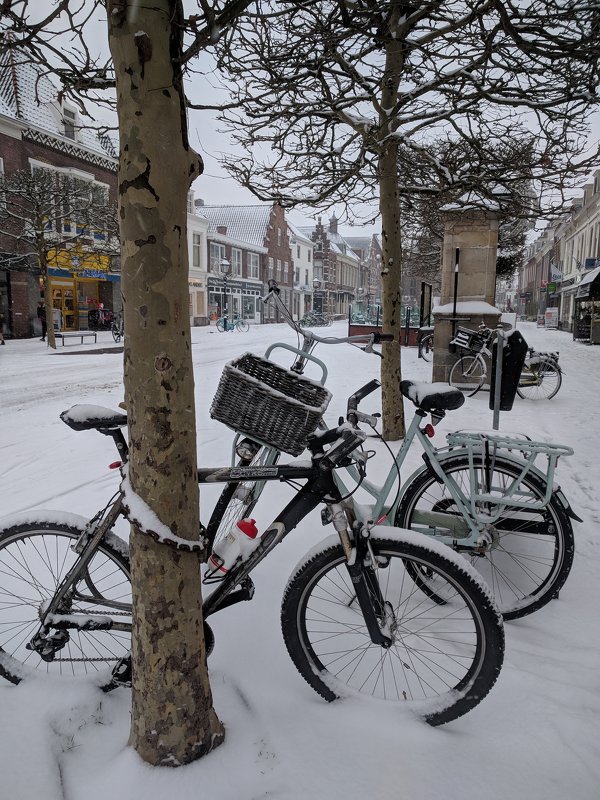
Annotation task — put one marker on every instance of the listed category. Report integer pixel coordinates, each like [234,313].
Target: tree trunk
[173,720]
[48,305]
[391,260]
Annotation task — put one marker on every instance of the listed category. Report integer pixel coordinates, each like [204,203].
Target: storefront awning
[589,282]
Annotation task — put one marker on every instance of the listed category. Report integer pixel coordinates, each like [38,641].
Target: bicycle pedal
[122,672]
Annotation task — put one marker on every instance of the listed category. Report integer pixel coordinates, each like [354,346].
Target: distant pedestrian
[41,312]
[2,329]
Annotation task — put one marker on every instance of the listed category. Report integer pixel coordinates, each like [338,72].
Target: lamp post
[316,287]
[225,272]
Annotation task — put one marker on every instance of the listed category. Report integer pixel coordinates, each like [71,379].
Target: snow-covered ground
[535,736]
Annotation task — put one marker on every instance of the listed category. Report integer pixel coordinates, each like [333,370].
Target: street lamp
[225,272]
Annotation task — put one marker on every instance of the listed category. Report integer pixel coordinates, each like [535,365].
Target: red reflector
[115,465]
[429,430]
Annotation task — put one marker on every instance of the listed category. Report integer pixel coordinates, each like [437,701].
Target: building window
[308,254]
[236,262]
[253,265]
[279,237]
[285,271]
[217,254]
[69,121]
[298,251]
[197,250]
[278,275]
[271,267]
[306,277]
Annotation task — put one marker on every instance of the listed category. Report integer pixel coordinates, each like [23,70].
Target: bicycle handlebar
[369,339]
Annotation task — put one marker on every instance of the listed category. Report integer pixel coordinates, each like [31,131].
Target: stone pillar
[472,229]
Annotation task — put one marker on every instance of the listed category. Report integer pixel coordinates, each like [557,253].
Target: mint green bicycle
[491,498]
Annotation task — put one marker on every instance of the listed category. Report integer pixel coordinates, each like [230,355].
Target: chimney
[222,229]
[199,202]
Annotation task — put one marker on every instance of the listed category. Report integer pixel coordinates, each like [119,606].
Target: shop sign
[80,262]
[551,287]
[551,317]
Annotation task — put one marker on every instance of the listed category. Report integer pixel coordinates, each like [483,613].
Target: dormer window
[70,122]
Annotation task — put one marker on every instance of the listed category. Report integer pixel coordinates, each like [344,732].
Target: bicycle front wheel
[34,559]
[220,325]
[531,551]
[242,326]
[468,374]
[443,660]
[116,334]
[539,381]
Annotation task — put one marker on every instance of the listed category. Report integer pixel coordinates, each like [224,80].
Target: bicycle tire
[34,556]
[243,326]
[468,374]
[220,326]
[547,373]
[116,334]
[439,679]
[532,551]
[426,347]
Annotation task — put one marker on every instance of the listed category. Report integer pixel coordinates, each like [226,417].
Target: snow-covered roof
[29,96]
[244,223]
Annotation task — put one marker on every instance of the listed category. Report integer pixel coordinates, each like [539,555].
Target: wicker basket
[469,340]
[268,402]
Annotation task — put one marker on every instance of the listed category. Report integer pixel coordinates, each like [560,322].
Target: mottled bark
[173,721]
[391,242]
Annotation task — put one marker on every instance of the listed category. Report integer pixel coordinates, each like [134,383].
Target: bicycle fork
[362,567]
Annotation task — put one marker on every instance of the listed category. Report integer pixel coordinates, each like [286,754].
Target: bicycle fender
[558,493]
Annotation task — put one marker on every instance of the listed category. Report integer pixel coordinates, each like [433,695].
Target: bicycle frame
[319,488]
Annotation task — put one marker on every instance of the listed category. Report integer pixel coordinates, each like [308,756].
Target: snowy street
[535,737]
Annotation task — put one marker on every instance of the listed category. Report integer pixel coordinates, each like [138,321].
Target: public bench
[81,335]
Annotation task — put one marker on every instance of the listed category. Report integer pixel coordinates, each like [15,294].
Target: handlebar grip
[383,337]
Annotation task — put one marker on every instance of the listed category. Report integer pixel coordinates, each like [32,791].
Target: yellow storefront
[80,283]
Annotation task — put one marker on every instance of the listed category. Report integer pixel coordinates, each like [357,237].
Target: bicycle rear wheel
[531,553]
[34,558]
[540,380]
[443,660]
[468,374]
[426,347]
[242,326]
[220,325]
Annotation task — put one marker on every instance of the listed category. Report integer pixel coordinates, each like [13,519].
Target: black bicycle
[377,611]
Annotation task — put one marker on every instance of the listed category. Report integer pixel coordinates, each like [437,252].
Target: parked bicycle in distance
[117,328]
[235,324]
[541,376]
[315,319]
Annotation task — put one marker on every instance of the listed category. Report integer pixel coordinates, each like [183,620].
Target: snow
[472,307]
[534,736]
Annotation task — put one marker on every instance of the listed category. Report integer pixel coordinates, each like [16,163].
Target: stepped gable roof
[29,96]
[337,243]
[244,223]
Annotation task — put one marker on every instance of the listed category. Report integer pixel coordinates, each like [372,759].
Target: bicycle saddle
[432,397]
[87,417]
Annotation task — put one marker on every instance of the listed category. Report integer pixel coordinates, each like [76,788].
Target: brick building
[254,242]
[37,131]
